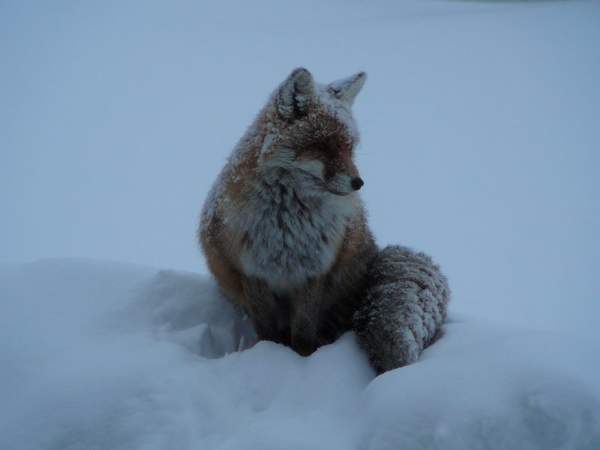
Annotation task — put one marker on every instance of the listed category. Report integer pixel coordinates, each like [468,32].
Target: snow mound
[110,356]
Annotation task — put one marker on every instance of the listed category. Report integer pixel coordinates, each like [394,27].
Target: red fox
[285,234]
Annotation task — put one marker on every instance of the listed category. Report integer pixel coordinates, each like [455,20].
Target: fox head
[311,132]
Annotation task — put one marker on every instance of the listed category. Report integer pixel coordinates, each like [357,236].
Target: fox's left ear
[295,94]
[347,89]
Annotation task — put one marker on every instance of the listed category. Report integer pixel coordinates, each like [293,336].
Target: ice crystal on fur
[292,233]
[404,309]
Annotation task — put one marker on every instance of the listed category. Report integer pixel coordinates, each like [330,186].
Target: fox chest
[287,238]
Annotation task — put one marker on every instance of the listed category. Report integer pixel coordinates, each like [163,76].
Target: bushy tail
[404,309]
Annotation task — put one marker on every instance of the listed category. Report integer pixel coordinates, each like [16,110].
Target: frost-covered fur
[293,234]
[284,230]
[404,308]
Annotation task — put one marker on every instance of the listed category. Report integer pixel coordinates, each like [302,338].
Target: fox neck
[291,229]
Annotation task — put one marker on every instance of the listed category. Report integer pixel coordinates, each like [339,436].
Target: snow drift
[99,355]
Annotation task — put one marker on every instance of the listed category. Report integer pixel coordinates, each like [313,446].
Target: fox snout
[336,175]
[341,176]
[357,183]
[346,179]
[342,184]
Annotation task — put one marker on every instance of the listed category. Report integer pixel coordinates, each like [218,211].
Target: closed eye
[313,167]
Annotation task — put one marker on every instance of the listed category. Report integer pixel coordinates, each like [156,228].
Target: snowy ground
[106,356]
[115,119]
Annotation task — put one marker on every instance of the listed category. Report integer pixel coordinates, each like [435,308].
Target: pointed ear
[295,94]
[347,89]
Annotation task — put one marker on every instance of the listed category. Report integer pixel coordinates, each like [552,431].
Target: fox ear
[295,94]
[347,89]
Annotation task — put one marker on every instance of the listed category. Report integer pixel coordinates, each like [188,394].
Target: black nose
[357,183]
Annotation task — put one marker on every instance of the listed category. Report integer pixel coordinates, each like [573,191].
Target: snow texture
[108,356]
[405,307]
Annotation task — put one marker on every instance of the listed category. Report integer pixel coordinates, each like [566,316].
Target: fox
[285,234]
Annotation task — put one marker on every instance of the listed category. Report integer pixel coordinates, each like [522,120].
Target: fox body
[283,229]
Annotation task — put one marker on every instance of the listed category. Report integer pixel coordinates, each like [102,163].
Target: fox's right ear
[295,94]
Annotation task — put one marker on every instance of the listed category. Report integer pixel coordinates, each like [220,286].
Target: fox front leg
[269,314]
[305,318]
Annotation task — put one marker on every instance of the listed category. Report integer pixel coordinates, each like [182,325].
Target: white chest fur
[290,232]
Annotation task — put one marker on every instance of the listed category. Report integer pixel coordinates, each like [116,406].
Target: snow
[479,125]
[100,355]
